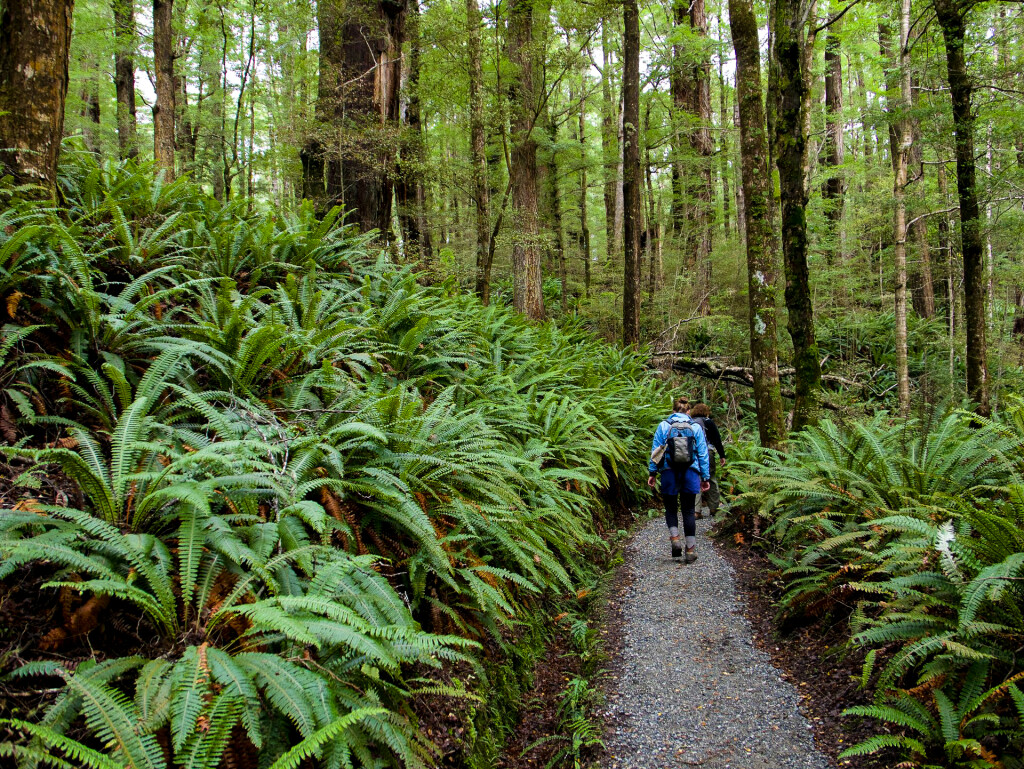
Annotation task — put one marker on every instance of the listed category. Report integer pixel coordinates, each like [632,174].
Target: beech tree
[124,77]
[527,295]
[478,146]
[762,246]
[163,107]
[631,173]
[350,159]
[787,90]
[35,37]
[951,16]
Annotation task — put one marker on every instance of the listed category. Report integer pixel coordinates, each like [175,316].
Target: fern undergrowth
[914,530]
[299,476]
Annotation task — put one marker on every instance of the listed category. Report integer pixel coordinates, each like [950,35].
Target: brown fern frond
[344,511]
[81,621]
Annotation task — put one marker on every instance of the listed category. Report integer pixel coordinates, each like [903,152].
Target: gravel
[689,688]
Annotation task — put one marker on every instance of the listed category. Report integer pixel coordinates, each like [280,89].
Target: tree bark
[950,16]
[584,225]
[554,198]
[652,240]
[631,173]
[410,189]
[723,141]
[609,144]
[163,108]
[741,207]
[678,86]
[35,37]
[478,147]
[900,117]
[762,247]
[356,146]
[926,301]
[834,145]
[703,193]
[787,87]
[91,104]
[527,293]
[124,77]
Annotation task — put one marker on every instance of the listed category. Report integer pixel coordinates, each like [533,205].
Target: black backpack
[680,446]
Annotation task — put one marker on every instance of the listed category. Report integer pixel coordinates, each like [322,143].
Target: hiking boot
[691,554]
[677,548]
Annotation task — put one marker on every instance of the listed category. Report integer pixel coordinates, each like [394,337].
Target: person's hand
[705,485]
[650,481]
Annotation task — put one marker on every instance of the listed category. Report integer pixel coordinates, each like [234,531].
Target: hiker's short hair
[680,404]
[700,410]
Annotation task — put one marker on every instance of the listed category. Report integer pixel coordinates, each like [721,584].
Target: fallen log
[712,369]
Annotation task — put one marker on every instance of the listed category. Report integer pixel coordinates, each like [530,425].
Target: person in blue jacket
[680,486]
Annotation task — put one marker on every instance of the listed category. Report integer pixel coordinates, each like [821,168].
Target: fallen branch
[710,369]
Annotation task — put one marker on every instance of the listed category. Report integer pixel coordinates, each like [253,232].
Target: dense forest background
[436,125]
[280,103]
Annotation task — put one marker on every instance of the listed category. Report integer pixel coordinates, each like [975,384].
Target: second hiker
[712,498]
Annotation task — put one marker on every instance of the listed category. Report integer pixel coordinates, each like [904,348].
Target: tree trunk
[91,104]
[703,193]
[723,141]
[371,73]
[762,247]
[35,37]
[124,77]
[786,88]
[901,118]
[679,86]
[584,226]
[609,144]
[653,231]
[163,108]
[478,147]
[741,208]
[926,302]
[527,293]
[950,15]
[356,145]
[631,173]
[409,189]
[554,198]
[834,188]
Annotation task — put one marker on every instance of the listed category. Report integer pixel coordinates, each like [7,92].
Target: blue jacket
[701,463]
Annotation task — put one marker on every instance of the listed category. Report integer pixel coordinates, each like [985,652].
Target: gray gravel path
[690,688]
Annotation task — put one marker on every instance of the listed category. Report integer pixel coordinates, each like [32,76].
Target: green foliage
[912,528]
[314,484]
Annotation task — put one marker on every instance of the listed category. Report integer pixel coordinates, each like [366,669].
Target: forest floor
[689,686]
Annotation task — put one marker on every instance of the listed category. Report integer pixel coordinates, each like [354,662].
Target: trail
[688,687]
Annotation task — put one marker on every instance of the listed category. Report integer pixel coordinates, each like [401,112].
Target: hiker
[680,485]
[712,498]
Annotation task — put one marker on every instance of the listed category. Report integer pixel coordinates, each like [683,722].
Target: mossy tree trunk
[124,77]
[478,147]
[163,108]
[787,91]
[762,247]
[950,15]
[631,173]
[527,293]
[834,144]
